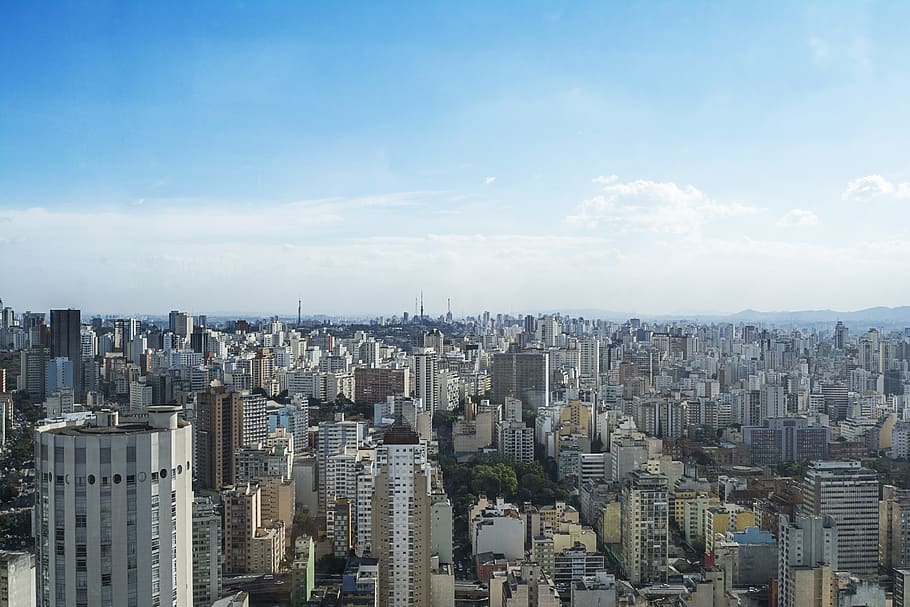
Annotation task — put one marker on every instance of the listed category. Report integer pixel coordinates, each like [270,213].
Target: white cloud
[488,180]
[797,217]
[871,187]
[650,206]
[605,179]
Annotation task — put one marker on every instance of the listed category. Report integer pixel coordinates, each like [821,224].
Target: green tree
[498,480]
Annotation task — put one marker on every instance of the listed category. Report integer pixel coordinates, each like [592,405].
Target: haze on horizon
[656,158]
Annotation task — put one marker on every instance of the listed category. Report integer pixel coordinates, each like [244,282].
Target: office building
[33,372]
[113,511]
[901,588]
[59,375]
[848,493]
[426,376]
[807,560]
[522,375]
[375,385]
[66,342]
[342,528]
[786,439]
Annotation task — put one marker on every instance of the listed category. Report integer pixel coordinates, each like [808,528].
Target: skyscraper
[219,433]
[60,374]
[426,376]
[401,519]
[113,511]
[848,493]
[66,341]
[645,528]
[523,375]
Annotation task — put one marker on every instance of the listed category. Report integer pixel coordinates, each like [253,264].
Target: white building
[140,397]
[113,511]
[498,528]
[330,438]
[426,379]
[401,519]
[17,579]
[849,494]
[804,544]
[255,418]
[516,441]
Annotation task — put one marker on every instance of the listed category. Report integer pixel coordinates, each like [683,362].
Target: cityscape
[416,460]
[438,304]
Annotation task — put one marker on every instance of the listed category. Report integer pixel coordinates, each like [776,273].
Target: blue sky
[648,157]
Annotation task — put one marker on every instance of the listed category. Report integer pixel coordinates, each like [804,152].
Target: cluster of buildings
[710,464]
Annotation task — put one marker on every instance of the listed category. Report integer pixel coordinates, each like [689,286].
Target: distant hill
[876,315]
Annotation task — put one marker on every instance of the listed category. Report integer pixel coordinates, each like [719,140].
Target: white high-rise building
[589,353]
[330,438]
[848,493]
[426,378]
[340,482]
[807,559]
[89,342]
[255,418]
[113,511]
[140,397]
[366,482]
[401,519]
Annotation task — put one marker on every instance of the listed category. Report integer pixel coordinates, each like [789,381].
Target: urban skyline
[416,304]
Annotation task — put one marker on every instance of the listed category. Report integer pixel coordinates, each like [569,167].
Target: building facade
[113,511]
[645,528]
[848,493]
[401,519]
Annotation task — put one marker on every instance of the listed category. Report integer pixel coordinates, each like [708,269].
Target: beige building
[266,549]
[278,502]
[251,544]
[894,528]
[442,584]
